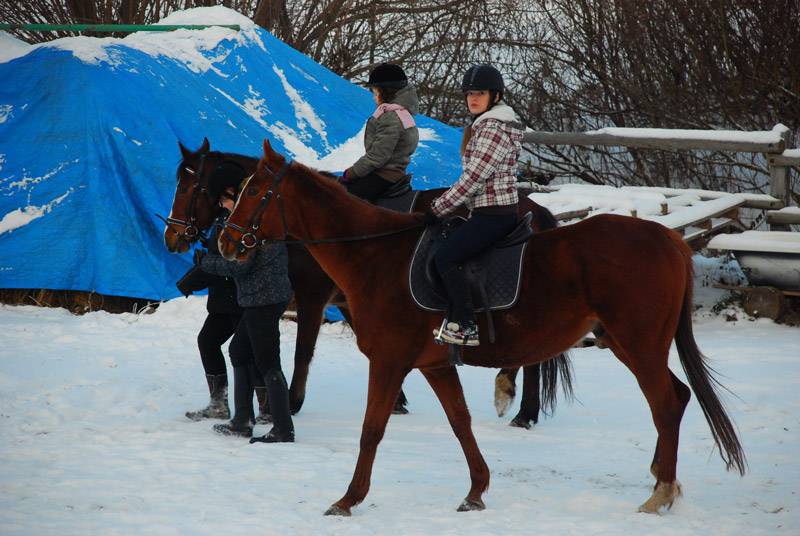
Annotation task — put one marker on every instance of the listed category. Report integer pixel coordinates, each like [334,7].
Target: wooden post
[780,183]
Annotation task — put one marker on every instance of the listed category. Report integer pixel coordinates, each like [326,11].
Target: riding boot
[218,405]
[278,395]
[461,327]
[243,418]
[264,416]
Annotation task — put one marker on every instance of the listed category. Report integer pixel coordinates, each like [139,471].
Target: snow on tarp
[89,131]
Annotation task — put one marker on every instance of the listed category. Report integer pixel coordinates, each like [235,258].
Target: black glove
[184,284]
[198,256]
[429,218]
[203,241]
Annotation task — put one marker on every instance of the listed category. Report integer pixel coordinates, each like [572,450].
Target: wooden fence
[773,144]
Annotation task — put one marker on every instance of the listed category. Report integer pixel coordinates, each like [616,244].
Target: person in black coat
[224,314]
[263,292]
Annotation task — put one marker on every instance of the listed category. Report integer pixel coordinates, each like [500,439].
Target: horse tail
[549,373]
[702,379]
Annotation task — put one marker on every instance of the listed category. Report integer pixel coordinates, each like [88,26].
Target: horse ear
[184,151]
[206,146]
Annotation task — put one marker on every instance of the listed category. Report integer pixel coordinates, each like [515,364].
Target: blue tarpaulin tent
[89,132]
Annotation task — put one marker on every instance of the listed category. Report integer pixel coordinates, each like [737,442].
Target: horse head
[251,222]
[193,210]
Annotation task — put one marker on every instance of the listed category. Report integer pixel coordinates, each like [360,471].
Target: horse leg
[529,405]
[667,397]
[310,308]
[505,389]
[384,386]
[447,386]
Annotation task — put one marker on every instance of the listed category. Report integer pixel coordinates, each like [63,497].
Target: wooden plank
[750,289]
[690,140]
[777,217]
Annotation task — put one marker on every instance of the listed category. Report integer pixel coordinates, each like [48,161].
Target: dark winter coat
[261,279]
[221,289]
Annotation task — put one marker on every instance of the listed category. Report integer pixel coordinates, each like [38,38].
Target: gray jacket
[261,279]
[389,145]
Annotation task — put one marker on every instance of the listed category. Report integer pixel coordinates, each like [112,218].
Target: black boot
[278,396]
[462,327]
[243,418]
[218,405]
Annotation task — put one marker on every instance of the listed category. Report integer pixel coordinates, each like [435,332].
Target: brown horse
[194,211]
[631,280]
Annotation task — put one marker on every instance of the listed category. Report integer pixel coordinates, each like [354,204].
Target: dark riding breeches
[475,235]
[257,341]
[217,328]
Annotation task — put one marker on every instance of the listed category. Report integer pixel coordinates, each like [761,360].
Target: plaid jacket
[489,176]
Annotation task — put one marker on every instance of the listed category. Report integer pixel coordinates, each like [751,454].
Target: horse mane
[353,207]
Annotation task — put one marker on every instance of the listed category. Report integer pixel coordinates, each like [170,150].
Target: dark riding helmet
[387,75]
[226,174]
[483,78]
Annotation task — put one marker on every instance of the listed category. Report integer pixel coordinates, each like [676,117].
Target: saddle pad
[503,278]
[402,203]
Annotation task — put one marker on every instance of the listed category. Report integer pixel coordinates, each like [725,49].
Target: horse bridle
[249,240]
[190,231]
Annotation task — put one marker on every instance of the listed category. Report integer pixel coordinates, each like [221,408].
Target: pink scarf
[405,116]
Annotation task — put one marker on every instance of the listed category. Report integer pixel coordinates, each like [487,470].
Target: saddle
[399,197]
[495,275]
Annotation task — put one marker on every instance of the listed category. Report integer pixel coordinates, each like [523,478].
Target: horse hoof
[399,410]
[521,423]
[663,497]
[471,506]
[337,511]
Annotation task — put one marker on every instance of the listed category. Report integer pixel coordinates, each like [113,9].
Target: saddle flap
[521,233]
[401,187]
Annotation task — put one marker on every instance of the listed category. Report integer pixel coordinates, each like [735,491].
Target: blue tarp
[89,132]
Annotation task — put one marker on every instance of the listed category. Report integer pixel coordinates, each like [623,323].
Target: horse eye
[182,190]
[252,192]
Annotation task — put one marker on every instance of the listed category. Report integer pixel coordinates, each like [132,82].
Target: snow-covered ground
[94,440]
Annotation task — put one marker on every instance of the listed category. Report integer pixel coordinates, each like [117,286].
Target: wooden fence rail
[773,144]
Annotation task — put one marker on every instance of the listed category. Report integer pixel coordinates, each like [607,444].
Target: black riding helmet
[226,174]
[387,75]
[484,78]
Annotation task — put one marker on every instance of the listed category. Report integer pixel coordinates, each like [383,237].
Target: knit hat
[227,174]
[387,75]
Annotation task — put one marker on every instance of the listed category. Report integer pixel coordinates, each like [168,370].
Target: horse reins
[249,240]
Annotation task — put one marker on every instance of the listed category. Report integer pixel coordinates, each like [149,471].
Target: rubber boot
[264,416]
[278,396]
[242,423]
[218,405]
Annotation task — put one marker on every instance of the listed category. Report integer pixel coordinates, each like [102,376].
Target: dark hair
[386,94]
[387,75]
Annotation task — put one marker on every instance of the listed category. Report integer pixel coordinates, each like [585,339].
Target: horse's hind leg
[530,404]
[505,389]
[310,308]
[667,397]
[447,386]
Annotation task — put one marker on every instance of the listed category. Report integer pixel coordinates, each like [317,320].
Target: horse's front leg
[447,386]
[384,386]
